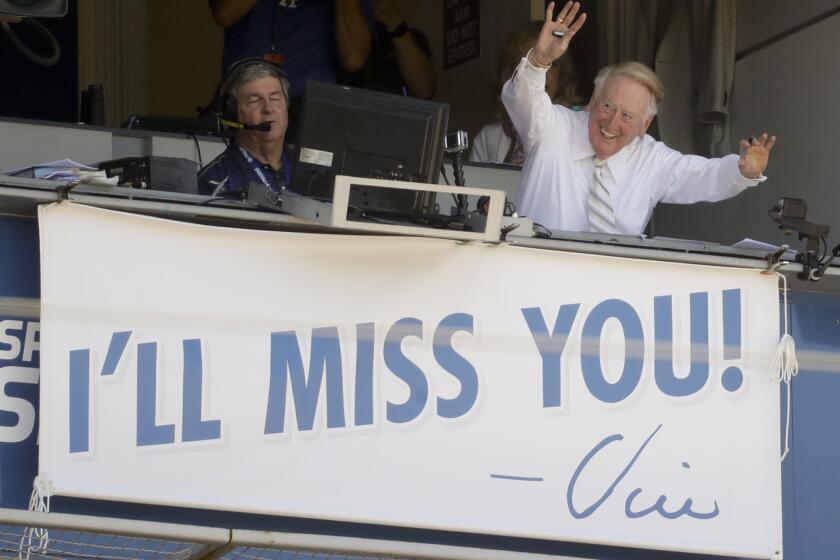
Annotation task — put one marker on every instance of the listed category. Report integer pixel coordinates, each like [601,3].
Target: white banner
[413,382]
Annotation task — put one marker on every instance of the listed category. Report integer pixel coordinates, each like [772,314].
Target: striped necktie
[601,216]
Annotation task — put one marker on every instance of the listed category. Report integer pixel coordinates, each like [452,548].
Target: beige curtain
[113,51]
[691,46]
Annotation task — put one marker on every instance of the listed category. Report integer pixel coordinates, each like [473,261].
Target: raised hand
[755,153]
[388,13]
[550,46]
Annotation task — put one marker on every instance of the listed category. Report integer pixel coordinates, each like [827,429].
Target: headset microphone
[224,100]
[262,127]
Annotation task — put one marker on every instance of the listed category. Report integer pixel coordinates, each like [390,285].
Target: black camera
[790,214]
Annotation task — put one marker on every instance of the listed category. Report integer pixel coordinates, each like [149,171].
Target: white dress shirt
[491,144]
[559,162]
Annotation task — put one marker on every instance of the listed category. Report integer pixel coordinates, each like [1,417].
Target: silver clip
[774,260]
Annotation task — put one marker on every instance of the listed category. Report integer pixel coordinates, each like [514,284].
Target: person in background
[499,142]
[253,92]
[400,61]
[597,170]
[308,39]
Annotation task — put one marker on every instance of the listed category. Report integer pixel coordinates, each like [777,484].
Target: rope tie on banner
[34,539]
[784,366]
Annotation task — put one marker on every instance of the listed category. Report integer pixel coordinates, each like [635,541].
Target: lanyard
[255,167]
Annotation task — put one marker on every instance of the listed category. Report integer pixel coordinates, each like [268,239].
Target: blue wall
[19,267]
[811,474]
[19,278]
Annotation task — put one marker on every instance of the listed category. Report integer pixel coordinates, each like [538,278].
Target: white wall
[792,89]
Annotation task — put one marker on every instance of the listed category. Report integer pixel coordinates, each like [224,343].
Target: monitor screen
[361,133]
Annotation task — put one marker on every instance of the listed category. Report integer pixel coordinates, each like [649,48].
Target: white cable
[784,366]
[36,539]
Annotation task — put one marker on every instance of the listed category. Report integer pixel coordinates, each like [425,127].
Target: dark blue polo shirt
[231,170]
[301,31]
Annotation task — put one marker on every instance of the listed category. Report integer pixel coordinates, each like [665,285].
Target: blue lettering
[698,372]
[365,333]
[116,347]
[659,507]
[731,324]
[455,364]
[31,341]
[406,370]
[10,345]
[570,490]
[634,348]
[194,428]
[148,432]
[19,345]
[325,355]
[551,346]
[79,405]
[22,408]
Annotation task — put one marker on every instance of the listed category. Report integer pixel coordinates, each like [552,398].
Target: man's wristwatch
[399,30]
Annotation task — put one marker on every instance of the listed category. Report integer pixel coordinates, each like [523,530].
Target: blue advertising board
[19,360]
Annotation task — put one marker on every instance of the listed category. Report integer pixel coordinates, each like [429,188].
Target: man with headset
[252,99]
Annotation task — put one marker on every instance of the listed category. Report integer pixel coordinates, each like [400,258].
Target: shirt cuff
[752,182]
[530,73]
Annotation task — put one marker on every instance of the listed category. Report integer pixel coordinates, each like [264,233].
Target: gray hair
[638,72]
[256,71]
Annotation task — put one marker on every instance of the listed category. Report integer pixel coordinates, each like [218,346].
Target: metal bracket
[63,191]
[774,260]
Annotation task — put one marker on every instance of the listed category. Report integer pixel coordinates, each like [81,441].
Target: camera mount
[790,214]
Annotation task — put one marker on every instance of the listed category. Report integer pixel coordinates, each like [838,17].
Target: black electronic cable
[197,149]
[26,51]
[541,231]
[443,174]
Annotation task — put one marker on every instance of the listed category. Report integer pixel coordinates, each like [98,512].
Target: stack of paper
[747,243]
[65,170]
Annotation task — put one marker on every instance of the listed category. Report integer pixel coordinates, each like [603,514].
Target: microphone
[262,127]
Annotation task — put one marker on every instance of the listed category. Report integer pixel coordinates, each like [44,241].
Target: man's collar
[582,149]
[617,163]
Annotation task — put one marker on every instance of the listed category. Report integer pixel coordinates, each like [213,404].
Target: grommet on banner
[784,366]
[36,539]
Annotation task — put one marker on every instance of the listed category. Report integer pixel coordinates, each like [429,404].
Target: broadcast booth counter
[210,379]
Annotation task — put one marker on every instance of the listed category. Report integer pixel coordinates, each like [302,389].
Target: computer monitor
[361,133]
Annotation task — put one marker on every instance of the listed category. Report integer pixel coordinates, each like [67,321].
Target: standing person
[400,61]
[598,170]
[308,39]
[499,142]
[254,92]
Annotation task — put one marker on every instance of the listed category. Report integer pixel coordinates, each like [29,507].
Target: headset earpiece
[224,102]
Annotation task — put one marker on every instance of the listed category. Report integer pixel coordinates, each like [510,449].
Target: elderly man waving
[598,170]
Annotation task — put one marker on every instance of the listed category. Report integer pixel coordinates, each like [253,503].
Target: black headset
[224,100]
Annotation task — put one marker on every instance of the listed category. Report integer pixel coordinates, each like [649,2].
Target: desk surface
[21,196]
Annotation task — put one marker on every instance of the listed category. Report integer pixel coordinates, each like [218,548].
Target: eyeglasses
[607,110]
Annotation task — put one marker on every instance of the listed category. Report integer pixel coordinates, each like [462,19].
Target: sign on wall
[413,382]
[19,371]
[461,32]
